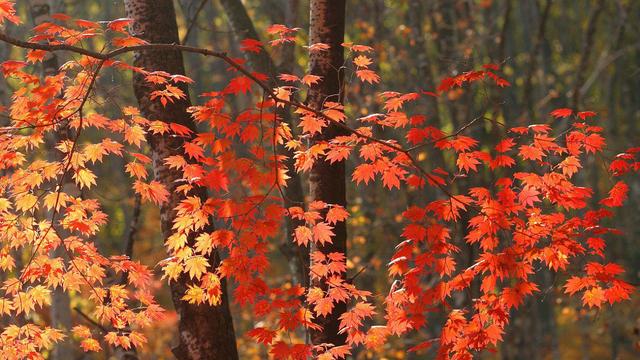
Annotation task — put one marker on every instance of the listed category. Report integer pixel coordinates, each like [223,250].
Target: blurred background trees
[581,54]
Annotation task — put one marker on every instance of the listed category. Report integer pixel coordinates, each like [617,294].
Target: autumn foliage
[532,214]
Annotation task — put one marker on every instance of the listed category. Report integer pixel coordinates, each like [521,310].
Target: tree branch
[223,56]
[90,320]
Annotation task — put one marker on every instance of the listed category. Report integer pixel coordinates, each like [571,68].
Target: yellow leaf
[194,295]
[196,266]
[5,306]
[204,244]
[137,339]
[6,263]
[176,241]
[26,202]
[84,178]
[55,199]
[172,270]
[5,204]
[50,336]
[134,135]
[40,295]
[362,61]
[94,152]
[22,303]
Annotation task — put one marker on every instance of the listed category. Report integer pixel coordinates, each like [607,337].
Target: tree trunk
[327,181]
[423,64]
[5,96]
[528,99]
[243,28]
[205,332]
[60,310]
[585,54]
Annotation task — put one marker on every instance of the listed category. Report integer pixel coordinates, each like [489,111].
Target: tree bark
[327,181]
[205,332]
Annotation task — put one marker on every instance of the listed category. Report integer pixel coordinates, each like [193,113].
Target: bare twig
[90,320]
[131,234]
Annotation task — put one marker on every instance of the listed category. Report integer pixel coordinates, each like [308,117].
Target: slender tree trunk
[243,28]
[533,60]
[501,42]
[421,58]
[129,241]
[60,310]
[498,95]
[613,91]
[327,181]
[205,332]
[585,55]
[291,19]
[4,86]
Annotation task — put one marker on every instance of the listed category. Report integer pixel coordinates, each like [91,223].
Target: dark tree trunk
[205,332]
[421,58]
[585,54]
[327,181]
[533,60]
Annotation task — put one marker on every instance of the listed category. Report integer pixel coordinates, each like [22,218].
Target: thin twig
[90,320]
[193,21]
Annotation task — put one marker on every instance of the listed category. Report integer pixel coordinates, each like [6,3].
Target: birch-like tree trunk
[205,332]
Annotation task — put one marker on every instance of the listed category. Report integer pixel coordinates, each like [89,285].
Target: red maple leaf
[561,113]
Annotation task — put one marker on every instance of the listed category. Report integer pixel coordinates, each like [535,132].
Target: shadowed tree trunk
[533,61]
[60,310]
[243,28]
[421,58]
[292,20]
[499,57]
[585,55]
[4,86]
[205,332]
[327,181]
